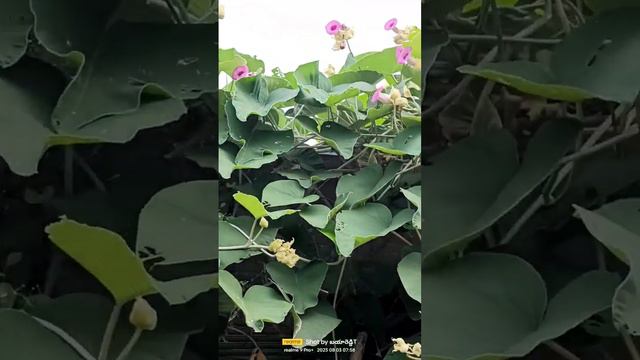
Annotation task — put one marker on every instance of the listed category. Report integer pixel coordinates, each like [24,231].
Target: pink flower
[403,54]
[240,72]
[391,24]
[379,96]
[333,27]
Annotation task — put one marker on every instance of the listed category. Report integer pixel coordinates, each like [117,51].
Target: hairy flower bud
[264,223]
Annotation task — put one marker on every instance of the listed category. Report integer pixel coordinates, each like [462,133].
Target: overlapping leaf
[16,22]
[340,138]
[302,284]
[496,305]
[259,304]
[596,60]
[407,142]
[462,198]
[365,183]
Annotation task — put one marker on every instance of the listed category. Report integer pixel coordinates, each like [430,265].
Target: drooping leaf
[178,224]
[407,142]
[302,284]
[97,249]
[596,60]
[496,304]
[340,138]
[257,95]
[330,91]
[110,77]
[414,195]
[616,226]
[263,147]
[366,183]
[252,204]
[316,215]
[409,271]
[463,198]
[286,192]
[316,323]
[259,304]
[358,226]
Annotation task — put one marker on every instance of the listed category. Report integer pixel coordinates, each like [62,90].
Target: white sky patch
[289,33]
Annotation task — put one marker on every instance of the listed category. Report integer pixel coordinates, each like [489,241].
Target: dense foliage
[320,204]
[107,234]
[531,187]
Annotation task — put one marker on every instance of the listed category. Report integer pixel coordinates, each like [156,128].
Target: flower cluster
[413,351]
[341,34]
[284,252]
[403,54]
[394,98]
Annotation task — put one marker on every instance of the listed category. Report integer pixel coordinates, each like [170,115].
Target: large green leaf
[617,226]
[85,316]
[407,142]
[302,284]
[259,304]
[414,195]
[286,192]
[478,180]
[229,59]
[116,61]
[263,147]
[178,224]
[316,215]
[230,236]
[316,323]
[330,91]
[16,325]
[365,183]
[259,94]
[16,21]
[340,138]
[383,62]
[409,272]
[252,204]
[97,250]
[31,89]
[496,304]
[358,226]
[595,60]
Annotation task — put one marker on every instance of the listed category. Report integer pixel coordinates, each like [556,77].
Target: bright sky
[288,33]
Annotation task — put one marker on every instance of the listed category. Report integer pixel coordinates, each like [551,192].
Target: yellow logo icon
[293,342]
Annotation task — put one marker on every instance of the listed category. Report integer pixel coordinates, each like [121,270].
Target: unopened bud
[264,223]
[142,315]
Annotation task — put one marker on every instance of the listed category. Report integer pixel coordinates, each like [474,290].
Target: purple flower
[333,27]
[403,54]
[379,96]
[240,72]
[391,24]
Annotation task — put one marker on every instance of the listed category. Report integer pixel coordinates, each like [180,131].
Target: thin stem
[245,334]
[81,350]
[631,346]
[564,20]
[512,39]
[92,175]
[253,227]
[561,350]
[132,342]
[242,247]
[335,294]
[633,131]
[108,332]
[402,238]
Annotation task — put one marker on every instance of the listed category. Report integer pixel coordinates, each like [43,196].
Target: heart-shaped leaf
[97,249]
[285,192]
[259,304]
[409,271]
[110,75]
[316,323]
[340,138]
[617,226]
[366,183]
[358,226]
[257,95]
[303,284]
[496,304]
[458,176]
